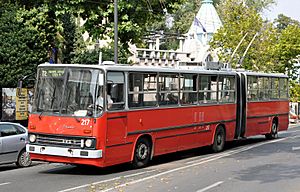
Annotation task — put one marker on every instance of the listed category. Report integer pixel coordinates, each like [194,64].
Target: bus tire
[142,153]
[274,131]
[219,140]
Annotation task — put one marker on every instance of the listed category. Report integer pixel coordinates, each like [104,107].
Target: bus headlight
[89,143]
[32,138]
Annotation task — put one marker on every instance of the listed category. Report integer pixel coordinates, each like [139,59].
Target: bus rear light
[86,131]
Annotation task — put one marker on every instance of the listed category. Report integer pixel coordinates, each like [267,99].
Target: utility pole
[116,31]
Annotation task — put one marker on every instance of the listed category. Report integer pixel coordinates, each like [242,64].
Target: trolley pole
[116,31]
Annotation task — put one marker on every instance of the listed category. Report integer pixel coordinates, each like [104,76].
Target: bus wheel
[219,140]
[274,131]
[142,153]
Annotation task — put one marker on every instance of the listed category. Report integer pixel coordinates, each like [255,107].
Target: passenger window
[188,83]
[275,88]
[226,89]
[261,94]
[168,89]
[283,88]
[142,90]
[115,91]
[208,89]
[8,130]
[252,88]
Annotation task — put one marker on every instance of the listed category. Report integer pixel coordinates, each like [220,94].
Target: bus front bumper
[64,152]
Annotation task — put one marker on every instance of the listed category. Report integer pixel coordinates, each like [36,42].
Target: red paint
[117,132]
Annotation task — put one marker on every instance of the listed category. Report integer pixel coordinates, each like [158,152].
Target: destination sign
[52,72]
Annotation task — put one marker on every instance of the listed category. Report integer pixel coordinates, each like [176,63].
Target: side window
[267,88]
[188,84]
[20,130]
[252,87]
[8,130]
[283,88]
[226,89]
[115,90]
[142,90]
[261,94]
[274,88]
[208,88]
[168,89]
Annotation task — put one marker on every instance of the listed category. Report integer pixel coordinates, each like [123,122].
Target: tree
[241,20]
[23,45]
[287,48]
[283,22]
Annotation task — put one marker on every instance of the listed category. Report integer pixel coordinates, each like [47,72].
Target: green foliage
[283,22]
[239,20]
[85,56]
[273,48]
[68,34]
[23,44]
[287,47]
[133,18]
[294,91]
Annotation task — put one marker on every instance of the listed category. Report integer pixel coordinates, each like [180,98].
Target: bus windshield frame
[68,91]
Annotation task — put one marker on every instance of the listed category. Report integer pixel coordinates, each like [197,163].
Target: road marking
[5,183]
[216,157]
[211,186]
[234,151]
[295,148]
[289,131]
[193,164]
[107,180]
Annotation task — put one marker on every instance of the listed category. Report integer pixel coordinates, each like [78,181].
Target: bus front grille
[61,141]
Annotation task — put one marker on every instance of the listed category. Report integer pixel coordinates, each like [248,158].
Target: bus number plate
[85,121]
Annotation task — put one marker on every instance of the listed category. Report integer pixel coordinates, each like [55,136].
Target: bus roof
[182,69]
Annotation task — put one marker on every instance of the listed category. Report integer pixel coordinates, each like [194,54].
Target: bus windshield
[67,91]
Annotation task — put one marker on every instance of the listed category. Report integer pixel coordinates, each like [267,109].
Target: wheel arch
[276,119]
[214,131]
[147,136]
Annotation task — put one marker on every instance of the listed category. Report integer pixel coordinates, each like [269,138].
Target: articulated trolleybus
[103,115]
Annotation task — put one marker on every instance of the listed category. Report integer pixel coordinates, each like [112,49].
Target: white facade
[193,48]
[205,24]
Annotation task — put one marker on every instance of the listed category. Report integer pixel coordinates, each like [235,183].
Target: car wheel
[23,159]
[219,140]
[274,131]
[142,153]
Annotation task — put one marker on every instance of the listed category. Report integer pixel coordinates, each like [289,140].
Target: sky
[290,8]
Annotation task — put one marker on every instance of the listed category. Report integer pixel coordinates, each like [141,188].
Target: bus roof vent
[108,63]
[209,65]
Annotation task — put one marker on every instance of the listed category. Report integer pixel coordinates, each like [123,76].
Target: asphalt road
[254,164]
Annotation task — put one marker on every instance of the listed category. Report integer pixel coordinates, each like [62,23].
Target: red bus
[148,111]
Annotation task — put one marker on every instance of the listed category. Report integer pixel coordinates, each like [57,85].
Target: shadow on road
[12,166]
[163,159]
[270,173]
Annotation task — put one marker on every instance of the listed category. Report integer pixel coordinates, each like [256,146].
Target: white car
[13,139]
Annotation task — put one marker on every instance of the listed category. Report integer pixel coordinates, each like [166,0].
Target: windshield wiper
[40,116]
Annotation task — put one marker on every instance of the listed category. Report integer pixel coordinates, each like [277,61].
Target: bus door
[116,116]
[241,106]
